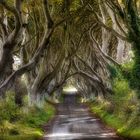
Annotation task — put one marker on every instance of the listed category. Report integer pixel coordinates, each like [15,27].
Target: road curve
[74,122]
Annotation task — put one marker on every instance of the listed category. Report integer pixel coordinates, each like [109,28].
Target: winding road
[74,122]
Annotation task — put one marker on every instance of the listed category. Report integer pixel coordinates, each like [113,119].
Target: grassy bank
[121,109]
[121,125]
[22,123]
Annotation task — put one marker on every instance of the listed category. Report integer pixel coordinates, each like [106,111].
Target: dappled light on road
[74,122]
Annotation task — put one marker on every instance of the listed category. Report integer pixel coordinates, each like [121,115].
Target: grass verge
[115,122]
[29,123]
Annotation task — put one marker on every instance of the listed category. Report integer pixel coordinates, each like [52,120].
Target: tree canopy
[73,41]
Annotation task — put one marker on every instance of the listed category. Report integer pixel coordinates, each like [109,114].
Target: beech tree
[125,18]
[60,42]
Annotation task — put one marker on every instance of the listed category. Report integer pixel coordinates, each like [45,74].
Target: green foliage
[131,71]
[21,137]
[38,116]
[14,132]
[22,123]
[124,99]
[75,5]
[110,119]
[113,71]
[133,21]
[116,122]
[121,110]
[128,74]
[116,73]
[132,133]
[135,75]
[121,88]
[8,109]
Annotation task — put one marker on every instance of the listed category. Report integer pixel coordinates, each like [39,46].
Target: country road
[74,122]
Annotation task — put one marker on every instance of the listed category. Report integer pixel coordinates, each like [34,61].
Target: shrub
[121,110]
[13,131]
[17,121]
[8,109]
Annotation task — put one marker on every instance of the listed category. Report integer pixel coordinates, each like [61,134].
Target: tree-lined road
[74,122]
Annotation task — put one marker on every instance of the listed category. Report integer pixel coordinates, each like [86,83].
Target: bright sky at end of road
[70,89]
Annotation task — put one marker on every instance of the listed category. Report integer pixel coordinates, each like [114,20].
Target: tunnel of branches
[46,45]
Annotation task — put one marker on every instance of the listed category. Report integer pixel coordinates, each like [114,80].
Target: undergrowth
[22,123]
[122,109]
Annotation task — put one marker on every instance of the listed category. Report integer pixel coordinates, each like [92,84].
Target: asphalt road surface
[74,122]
